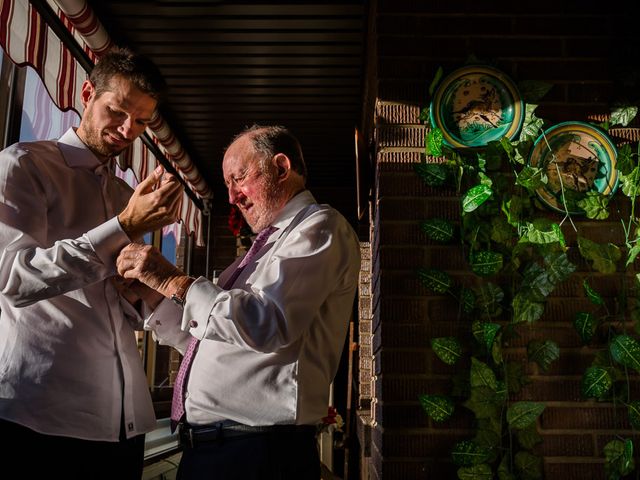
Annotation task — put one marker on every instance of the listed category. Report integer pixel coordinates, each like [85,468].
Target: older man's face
[252,190]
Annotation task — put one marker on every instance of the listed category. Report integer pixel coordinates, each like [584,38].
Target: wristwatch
[178,296]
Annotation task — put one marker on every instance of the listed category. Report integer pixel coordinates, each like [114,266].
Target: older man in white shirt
[269,335]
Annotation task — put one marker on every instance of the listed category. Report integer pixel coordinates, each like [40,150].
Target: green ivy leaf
[475,472]
[484,402]
[516,379]
[542,231]
[543,353]
[585,325]
[424,115]
[633,253]
[558,267]
[433,174]
[433,142]
[485,333]
[467,300]
[503,469]
[501,231]
[489,433]
[467,453]
[618,456]
[604,257]
[525,309]
[486,263]
[532,178]
[634,413]
[529,437]
[490,297]
[528,466]
[522,414]
[435,280]
[532,125]
[438,229]
[510,150]
[623,115]
[625,163]
[482,375]
[625,350]
[447,349]
[532,91]
[631,183]
[591,294]
[438,407]
[475,197]
[595,205]
[596,382]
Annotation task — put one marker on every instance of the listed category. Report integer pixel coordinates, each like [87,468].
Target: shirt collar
[76,153]
[291,209]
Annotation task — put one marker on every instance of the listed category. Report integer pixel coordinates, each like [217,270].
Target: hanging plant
[506,236]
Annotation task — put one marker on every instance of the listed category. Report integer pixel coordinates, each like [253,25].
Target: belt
[193,436]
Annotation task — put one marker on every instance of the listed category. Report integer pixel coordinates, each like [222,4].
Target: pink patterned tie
[177,402]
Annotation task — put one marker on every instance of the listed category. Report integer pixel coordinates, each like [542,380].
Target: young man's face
[253,191]
[114,119]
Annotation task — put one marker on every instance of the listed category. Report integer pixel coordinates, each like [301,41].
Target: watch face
[177,300]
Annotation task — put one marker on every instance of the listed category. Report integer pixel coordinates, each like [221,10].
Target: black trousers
[35,455]
[260,456]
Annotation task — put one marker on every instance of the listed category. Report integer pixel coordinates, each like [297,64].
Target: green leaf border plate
[475,105]
[586,160]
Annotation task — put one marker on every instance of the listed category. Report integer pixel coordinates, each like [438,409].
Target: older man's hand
[147,265]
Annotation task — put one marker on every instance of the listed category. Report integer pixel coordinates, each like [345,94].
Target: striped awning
[27,40]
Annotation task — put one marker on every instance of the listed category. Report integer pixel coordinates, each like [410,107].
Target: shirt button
[193,324]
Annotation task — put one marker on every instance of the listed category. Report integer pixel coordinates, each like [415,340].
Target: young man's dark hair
[136,68]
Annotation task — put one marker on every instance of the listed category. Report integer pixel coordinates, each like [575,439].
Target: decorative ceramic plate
[577,156]
[475,105]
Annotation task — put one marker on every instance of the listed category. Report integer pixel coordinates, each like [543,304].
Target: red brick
[566,445]
[434,25]
[395,442]
[401,361]
[584,417]
[409,388]
[574,470]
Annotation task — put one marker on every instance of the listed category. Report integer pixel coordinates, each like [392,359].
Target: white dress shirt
[272,343]
[69,362]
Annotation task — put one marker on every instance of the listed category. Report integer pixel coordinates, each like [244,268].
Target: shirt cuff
[165,325]
[107,240]
[200,299]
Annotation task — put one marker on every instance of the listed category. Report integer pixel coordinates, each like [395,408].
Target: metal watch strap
[178,296]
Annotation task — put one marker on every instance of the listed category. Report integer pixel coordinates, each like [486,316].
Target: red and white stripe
[27,40]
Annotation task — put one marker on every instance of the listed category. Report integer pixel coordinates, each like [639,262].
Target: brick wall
[585,50]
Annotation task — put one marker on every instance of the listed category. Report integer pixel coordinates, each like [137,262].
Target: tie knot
[103,169]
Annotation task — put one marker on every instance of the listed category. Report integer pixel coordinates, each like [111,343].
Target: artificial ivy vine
[518,254]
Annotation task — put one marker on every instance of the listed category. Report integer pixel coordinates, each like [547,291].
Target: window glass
[41,118]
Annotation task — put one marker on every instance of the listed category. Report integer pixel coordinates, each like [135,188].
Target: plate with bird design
[475,105]
[576,157]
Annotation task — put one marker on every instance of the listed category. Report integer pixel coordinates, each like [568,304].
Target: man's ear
[87,92]
[283,165]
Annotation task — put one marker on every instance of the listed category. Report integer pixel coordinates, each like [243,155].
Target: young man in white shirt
[74,402]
